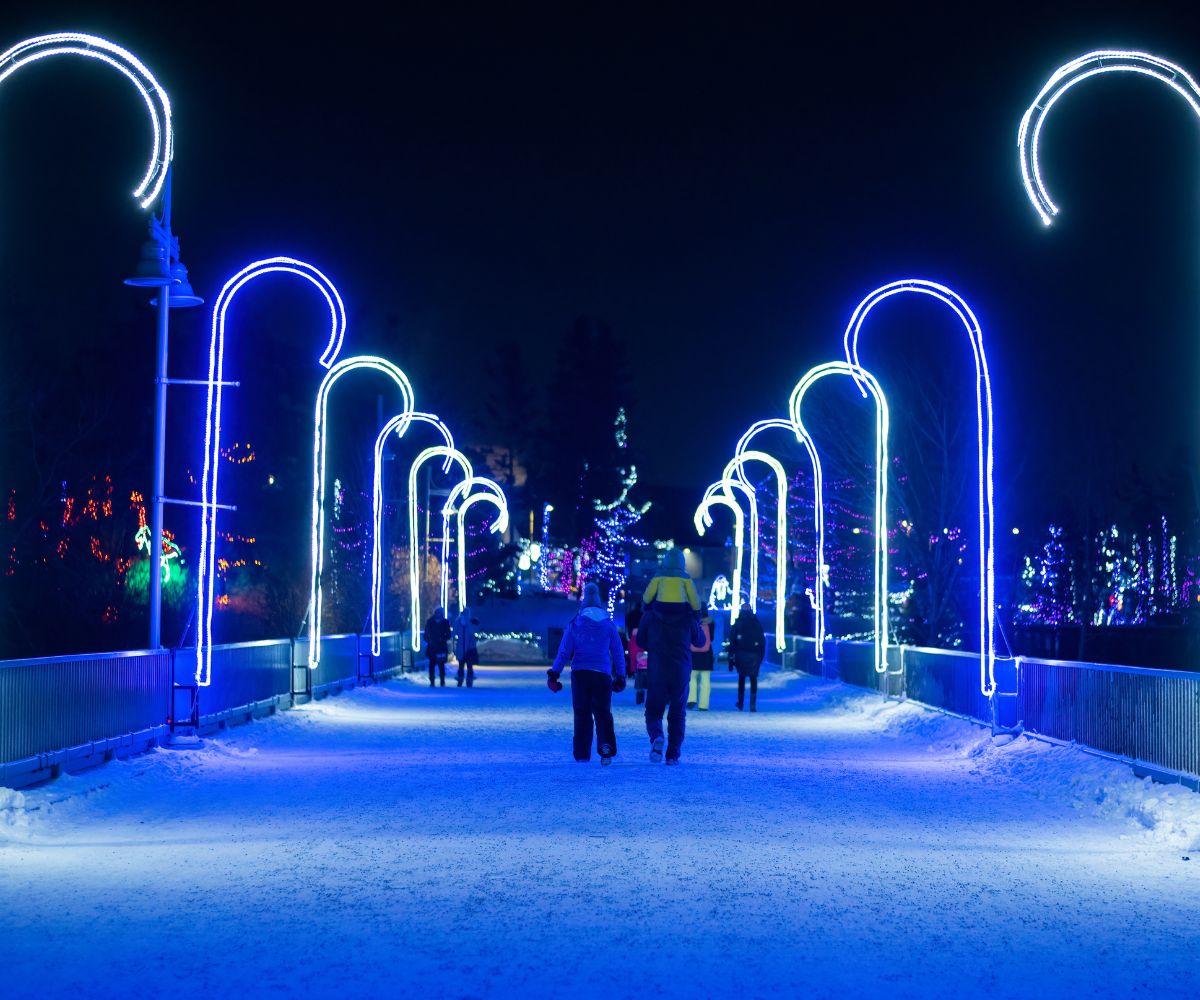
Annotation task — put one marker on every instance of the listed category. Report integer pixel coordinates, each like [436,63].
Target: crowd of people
[667,650]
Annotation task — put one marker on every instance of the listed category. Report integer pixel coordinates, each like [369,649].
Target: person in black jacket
[747,647]
[668,632]
[437,643]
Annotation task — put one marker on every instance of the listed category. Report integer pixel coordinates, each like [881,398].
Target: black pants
[742,688]
[468,661]
[667,691]
[591,698]
[437,661]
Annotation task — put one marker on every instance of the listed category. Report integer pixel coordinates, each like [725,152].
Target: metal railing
[1148,718]
[66,713]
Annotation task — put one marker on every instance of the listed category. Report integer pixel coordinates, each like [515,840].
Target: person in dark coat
[437,643]
[747,647]
[668,632]
[592,646]
[637,656]
[468,647]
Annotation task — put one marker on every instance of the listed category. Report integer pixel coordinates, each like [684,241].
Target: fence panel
[1152,716]
[67,701]
[946,679]
[339,658]
[243,673]
[856,664]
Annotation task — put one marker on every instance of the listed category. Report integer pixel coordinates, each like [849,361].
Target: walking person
[747,647]
[700,686]
[437,644]
[637,655]
[592,647]
[668,632]
[467,648]
[672,584]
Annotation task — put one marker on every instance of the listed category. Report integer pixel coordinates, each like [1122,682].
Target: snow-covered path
[398,841]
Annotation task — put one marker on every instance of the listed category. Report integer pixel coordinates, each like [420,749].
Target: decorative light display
[544,568]
[450,456]
[395,424]
[320,442]
[983,414]
[1063,79]
[158,104]
[719,495]
[171,550]
[462,492]
[736,468]
[614,522]
[863,378]
[728,485]
[720,594]
[206,575]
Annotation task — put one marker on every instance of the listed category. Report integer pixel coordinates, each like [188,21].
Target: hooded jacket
[591,642]
[747,642]
[465,626]
[437,634]
[667,633]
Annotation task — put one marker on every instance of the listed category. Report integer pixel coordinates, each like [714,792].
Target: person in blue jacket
[668,632]
[592,646]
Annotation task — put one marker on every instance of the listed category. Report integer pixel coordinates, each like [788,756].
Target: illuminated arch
[1063,79]
[464,463]
[736,467]
[401,420]
[320,441]
[459,492]
[984,457]
[864,379]
[718,495]
[206,575]
[814,459]
[158,104]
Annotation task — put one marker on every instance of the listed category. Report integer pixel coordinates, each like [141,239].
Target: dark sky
[721,188]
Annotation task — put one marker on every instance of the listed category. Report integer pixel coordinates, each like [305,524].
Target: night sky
[721,189]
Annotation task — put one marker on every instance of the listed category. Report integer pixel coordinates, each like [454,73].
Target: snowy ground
[397,841]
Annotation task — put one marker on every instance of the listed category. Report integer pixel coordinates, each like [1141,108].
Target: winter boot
[739,704]
[656,751]
[754,702]
[691,704]
[606,755]
[641,697]
[672,760]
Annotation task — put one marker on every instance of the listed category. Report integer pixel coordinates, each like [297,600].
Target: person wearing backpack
[747,647]
[437,644]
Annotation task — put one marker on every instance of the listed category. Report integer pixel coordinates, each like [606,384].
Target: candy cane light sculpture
[864,379]
[983,440]
[401,420]
[736,467]
[206,575]
[718,495]
[320,451]
[451,508]
[158,104]
[1067,76]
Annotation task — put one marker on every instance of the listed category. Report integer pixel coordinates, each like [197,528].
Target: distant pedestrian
[467,647]
[592,647]
[668,632]
[747,647]
[437,644]
[700,686]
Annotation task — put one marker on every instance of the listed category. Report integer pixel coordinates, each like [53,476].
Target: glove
[552,681]
[618,685]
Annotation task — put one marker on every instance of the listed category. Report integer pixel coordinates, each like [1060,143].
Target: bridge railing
[66,713]
[1145,717]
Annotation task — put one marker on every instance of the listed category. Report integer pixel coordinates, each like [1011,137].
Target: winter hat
[591,596]
[673,562]
[439,612]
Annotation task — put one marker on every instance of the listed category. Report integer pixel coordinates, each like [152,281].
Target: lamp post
[160,267]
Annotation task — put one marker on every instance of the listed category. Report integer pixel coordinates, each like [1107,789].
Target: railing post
[301,679]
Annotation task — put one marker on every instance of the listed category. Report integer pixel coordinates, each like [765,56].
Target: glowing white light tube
[206,575]
[158,104]
[414,572]
[983,444]
[398,421]
[1063,79]
[743,446]
[320,442]
[499,524]
[717,495]
[449,510]
[867,380]
[736,467]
